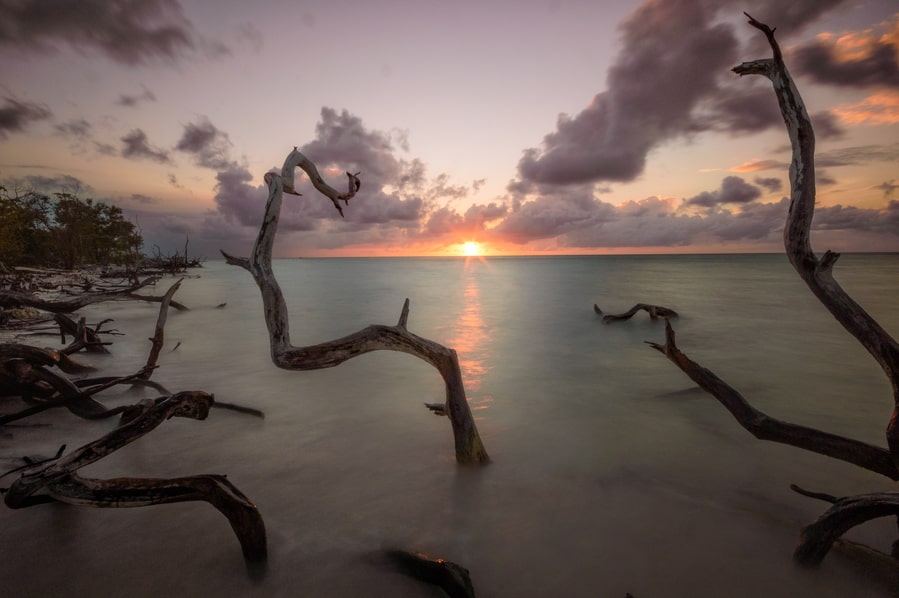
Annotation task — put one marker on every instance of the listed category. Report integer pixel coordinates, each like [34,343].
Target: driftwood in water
[83,336]
[10,298]
[655,312]
[468,446]
[451,578]
[818,537]
[28,372]
[61,482]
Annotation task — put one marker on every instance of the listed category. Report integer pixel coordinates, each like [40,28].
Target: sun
[471,248]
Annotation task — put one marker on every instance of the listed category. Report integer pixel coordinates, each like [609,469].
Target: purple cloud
[734,190]
[16,116]
[136,145]
[127,31]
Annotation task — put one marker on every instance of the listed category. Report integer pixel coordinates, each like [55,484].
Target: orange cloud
[756,165]
[882,108]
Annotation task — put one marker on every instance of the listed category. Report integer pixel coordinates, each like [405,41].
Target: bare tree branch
[468,445]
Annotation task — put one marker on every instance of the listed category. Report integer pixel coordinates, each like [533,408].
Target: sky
[526,127]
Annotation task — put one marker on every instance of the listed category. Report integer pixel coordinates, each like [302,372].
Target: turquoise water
[610,473]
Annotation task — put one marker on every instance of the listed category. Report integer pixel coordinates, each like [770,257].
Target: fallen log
[452,578]
[9,298]
[655,312]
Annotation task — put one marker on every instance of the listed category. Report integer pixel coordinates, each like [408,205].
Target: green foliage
[64,231]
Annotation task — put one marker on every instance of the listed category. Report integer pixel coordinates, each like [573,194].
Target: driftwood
[468,446]
[818,537]
[9,298]
[61,482]
[26,371]
[83,336]
[451,578]
[655,312]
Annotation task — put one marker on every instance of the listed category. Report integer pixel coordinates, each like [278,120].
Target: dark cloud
[556,211]
[734,190]
[126,31]
[656,222]
[136,145]
[672,54]
[858,219]
[848,156]
[855,60]
[827,125]
[822,179]
[743,110]
[132,100]
[887,187]
[667,81]
[78,129]
[210,146]
[16,116]
[769,184]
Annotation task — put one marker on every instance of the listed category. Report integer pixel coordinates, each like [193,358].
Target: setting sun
[471,248]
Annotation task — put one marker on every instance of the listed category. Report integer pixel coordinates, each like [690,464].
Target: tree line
[64,230]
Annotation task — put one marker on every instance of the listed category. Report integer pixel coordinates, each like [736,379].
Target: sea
[611,472]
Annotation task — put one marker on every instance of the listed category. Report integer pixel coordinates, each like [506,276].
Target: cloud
[648,99]
[136,145]
[881,108]
[126,31]
[666,82]
[16,116]
[661,222]
[734,190]
[78,129]
[848,156]
[757,165]
[868,58]
[771,185]
[888,187]
[210,146]
[130,101]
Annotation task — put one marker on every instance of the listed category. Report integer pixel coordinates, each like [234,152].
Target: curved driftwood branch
[452,578]
[468,445]
[816,538]
[764,427]
[655,312]
[818,273]
[60,480]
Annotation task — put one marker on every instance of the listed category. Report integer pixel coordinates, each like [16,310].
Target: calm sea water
[610,474]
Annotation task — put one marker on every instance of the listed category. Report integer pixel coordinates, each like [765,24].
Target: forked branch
[468,446]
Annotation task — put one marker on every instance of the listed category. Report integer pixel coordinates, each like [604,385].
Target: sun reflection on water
[471,342]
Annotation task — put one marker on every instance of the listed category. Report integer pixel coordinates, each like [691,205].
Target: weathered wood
[817,538]
[818,273]
[764,427]
[452,578]
[158,339]
[60,481]
[468,446]
[655,312]
[10,298]
[847,512]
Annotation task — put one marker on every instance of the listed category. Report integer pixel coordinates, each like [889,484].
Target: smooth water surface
[611,472]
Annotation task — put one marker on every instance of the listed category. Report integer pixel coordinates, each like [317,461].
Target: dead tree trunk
[846,513]
[468,445]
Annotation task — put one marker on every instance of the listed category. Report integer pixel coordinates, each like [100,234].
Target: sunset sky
[528,127]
